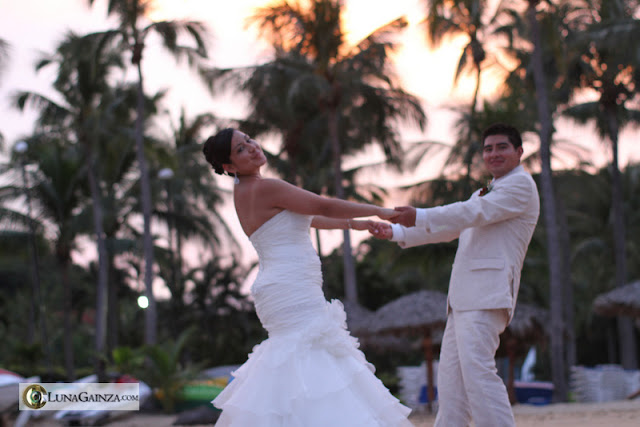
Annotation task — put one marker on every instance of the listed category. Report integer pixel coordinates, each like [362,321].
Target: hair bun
[217,150]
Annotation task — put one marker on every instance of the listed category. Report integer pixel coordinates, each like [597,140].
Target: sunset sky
[33,26]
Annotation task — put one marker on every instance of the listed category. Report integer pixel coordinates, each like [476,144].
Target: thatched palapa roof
[358,317]
[528,320]
[413,312]
[359,320]
[622,301]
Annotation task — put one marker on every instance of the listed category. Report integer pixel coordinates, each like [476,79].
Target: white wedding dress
[309,372]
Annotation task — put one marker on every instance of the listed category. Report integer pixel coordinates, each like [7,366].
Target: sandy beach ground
[610,414]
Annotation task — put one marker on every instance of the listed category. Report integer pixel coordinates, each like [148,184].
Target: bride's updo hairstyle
[217,149]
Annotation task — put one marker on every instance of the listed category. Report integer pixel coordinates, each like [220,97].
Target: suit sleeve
[507,200]
[408,237]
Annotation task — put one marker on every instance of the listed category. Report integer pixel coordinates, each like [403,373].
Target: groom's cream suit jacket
[494,232]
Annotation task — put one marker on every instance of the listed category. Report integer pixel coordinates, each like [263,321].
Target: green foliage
[127,360]
[164,369]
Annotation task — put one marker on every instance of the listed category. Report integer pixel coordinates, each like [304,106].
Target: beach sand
[609,414]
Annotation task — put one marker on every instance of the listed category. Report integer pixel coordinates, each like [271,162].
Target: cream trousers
[468,383]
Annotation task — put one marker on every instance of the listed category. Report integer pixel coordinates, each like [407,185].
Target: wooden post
[511,355]
[427,347]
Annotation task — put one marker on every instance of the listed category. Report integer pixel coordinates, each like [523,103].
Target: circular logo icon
[34,396]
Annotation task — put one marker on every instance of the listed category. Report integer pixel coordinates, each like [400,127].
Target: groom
[493,228]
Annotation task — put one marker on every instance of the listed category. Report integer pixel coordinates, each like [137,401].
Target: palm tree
[130,14]
[472,19]
[601,60]
[334,98]
[36,316]
[57,193]
[190,209]
[549,207]
[538,83]
[84,65]
[588,199]
[119,189]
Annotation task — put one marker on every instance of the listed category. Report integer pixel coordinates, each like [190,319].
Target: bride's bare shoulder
[266,183]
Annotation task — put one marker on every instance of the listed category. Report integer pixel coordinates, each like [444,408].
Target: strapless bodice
[287,291]
[284,242]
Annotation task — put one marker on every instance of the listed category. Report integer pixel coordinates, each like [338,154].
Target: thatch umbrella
[358,318]
[526,327]
[622,301]
[418,313]
[359,321]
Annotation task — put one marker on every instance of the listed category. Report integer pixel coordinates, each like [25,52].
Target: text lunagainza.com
[86,397]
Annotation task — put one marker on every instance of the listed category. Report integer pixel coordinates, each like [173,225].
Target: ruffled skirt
[313,375]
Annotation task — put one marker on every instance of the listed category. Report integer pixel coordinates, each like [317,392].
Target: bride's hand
[380,230]
[361,224]
[387,214]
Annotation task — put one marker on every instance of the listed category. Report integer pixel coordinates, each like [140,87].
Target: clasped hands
[403,215]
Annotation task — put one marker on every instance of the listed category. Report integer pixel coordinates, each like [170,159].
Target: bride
[309,372]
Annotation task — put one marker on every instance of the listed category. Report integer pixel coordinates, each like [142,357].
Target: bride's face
[246,155]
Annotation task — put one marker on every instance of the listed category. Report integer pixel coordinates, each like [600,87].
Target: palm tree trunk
[113,312]
[558,371]
[626,335]
[349,273]
[472,127]
[67,322]
[37,315]
[565,244]
[150,327]
[103,278]
[178,261]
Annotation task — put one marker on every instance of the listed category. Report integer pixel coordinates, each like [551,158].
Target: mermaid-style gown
[309,372]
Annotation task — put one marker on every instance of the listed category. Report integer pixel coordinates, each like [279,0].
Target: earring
[236,181]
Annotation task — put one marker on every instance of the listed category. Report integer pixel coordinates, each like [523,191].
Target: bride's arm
[281,194]
[326,223]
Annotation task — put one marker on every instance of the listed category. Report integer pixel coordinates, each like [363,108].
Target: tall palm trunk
[37,314]
[556,294]
[626,335]
[178,262]
[349,274]
[69,363]
[472,125]
[568,301]
[150,327]
[113,310]
[103,273]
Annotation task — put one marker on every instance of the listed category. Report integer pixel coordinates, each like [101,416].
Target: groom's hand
[406,216]
[381,230]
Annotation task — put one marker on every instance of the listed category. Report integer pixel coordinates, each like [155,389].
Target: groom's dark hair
[503,129]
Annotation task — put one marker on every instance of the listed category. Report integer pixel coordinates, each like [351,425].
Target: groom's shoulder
[520,180]
[519,174]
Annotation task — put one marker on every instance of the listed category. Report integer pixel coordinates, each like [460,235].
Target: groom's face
[499,155]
